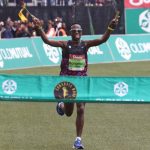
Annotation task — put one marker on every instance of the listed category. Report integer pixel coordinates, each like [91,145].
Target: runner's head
[76,32]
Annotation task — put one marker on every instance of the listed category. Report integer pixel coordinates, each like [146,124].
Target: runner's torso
[74,60]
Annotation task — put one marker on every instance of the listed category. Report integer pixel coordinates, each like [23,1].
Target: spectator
[60,2]
[50,29]
[60,30]
[23,31]
[1,3]
[51,2]
[13,29]
[1,28]
[66,2]
[31,29]
[8,32]
[15,26]
[100,2]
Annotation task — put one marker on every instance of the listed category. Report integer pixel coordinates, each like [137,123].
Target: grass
[114,69]
[36,125]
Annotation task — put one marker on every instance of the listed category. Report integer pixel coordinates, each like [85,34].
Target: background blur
[93,15]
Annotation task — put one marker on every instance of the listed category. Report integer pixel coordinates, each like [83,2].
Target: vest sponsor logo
[144,21]
[53,53]
[14,53]
[65,90]
[9,86]
[121,89]
[126,50]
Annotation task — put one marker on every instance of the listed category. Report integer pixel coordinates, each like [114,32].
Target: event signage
[19,53]
[137,3]
[33,52]
[52,55]
[137,21]
[74,89]
[130,48]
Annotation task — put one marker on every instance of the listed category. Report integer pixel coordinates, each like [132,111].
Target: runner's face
[76,32]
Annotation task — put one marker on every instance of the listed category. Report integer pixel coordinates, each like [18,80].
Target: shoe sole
[77,148]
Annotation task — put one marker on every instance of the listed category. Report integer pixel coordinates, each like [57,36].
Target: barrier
[74,89]
[32,52]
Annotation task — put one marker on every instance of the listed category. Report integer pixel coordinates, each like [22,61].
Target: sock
[60,104]
[78,138]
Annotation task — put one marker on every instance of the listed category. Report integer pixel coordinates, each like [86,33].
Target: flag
[21,16]
[22,3]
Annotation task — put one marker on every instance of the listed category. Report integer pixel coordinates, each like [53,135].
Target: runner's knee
[68,114]
[80,109]
[69,109]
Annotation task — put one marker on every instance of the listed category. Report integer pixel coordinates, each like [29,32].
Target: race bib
[76,62]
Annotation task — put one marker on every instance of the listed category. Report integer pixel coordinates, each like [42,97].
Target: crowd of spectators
[60,2]
[52,28]
[16,29]
[79,2]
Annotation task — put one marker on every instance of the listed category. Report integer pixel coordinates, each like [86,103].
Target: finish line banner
[74,89]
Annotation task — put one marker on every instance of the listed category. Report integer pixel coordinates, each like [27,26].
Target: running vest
[74,60]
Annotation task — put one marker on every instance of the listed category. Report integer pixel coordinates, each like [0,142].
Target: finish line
[74,89]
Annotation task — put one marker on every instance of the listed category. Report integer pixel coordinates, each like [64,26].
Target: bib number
[76,62]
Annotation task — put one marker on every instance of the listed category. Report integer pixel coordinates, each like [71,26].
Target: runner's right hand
[36,22]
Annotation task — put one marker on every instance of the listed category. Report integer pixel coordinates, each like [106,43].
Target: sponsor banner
[137,3]
[130,47]
[17,53]
[33,52]
[74,89]
[52,55]
[137,21]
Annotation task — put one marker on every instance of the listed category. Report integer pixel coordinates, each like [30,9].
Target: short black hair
[75,24]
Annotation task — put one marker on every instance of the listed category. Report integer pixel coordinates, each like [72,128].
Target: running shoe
[59,109]
[78,144]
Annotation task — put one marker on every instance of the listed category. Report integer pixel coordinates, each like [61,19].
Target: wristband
[111,29]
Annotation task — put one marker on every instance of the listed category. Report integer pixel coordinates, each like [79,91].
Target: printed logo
[9,86]
[139,2]
[121,89]
[52,53]
[1,63]
[65,90]
[95,50]
[123,48]
[144,21]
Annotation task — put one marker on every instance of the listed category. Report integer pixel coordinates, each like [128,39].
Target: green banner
[52,55]
[74,89]
[137,21]
[130,47]
[17,53]
[33,52]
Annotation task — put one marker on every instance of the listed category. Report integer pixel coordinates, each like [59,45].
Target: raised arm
[40,31]
[111,27]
